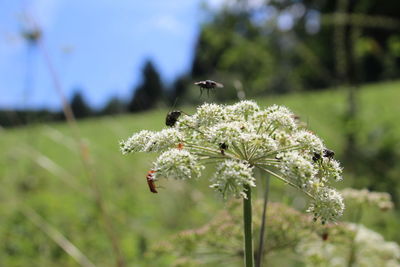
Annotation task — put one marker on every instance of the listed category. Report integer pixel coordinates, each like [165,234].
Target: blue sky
[98,46]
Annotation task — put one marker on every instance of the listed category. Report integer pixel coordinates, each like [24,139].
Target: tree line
[148,94]
[252,52]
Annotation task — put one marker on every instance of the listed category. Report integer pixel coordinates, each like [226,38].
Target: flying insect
[208,85]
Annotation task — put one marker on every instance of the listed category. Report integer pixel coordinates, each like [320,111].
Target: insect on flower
[325,236]
[180,146]
[316,157]
[280,147]
[223,147]
[208,85]
[150,181]
[329,153]
[172,117]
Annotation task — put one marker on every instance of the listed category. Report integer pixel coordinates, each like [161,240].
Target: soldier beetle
[180,146]
[150,181]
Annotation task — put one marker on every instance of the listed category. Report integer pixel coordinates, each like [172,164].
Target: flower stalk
[248,229]
[260,253]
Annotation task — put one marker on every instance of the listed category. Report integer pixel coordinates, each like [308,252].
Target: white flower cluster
[209,114]
[147,141]
[231,176]
[238,138]
[370,244]
[382,200]
[298,169]
[137,142]
[177,164]
[310,142]
[225,132]
[366,248]
[327,205]
[281,117]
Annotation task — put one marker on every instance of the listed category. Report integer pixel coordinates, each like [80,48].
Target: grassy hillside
[41,169]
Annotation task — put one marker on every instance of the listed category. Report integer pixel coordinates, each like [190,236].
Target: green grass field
[41,173]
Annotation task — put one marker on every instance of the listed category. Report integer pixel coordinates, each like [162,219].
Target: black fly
[316,157]
[172,117]
[329,153]
[223,147]
[326,154]
[208,85]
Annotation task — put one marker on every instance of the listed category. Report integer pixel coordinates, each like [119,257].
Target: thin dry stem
[57,237]
[84,156]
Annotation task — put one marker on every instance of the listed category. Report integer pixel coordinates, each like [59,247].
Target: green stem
[286,181]
[216,152]
[213,151]
[248,231]
[260,253]
[353,248]
[278,151]
[245,151]
[238,151]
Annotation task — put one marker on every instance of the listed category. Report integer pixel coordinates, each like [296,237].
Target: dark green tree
[79,106]
[150,92]
[179,89]
[113,106]
[230,45]
[314,52]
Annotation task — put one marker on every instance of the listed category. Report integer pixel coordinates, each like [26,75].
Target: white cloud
[168,23]
[215,4]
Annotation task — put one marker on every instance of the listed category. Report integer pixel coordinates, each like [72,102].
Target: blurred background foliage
[334,63]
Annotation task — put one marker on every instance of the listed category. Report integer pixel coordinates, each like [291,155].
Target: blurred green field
[40,168]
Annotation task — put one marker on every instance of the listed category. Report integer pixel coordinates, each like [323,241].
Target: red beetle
[150,181]
[325,236]
[180,146]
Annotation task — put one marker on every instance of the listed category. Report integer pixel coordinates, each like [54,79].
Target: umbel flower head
[238,139]
[382,200]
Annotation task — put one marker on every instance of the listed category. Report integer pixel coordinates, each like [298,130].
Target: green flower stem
[248,229]
[273,130]
[217,152]
[284,180]
[266,161]
[352,254]
[260,254]
[212,151]
[245,151]
[278,151]
[253,150]
[238,151]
